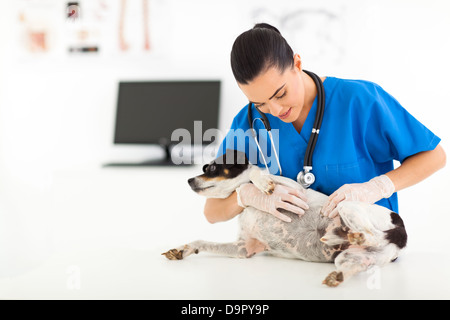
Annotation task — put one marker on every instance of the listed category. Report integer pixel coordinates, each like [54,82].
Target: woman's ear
[297,62]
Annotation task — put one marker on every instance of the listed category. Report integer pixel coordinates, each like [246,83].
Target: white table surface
[98,233]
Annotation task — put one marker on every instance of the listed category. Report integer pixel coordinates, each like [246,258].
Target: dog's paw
[356,238]
[269,187]
[179,254]
[262,180]
[265,184]
[173,254]
[334,279]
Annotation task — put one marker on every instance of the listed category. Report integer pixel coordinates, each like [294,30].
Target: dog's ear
[231,158]
[241,158]
[234,157]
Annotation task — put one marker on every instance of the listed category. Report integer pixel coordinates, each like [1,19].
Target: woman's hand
[282,198]
[370,192]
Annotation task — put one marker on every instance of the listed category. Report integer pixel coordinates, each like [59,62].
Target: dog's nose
[191,182]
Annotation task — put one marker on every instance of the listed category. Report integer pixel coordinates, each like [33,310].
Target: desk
[98,233]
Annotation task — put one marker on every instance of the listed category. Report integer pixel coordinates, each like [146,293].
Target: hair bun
[266,26]
[258,49]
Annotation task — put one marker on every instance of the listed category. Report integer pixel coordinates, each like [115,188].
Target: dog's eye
[204,168]
[212,168]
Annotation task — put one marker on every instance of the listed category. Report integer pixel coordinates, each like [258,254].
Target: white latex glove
[282,198]
[370,192]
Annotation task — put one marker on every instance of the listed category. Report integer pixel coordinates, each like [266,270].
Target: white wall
[59,111]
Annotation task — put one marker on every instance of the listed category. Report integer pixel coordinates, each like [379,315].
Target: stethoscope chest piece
[305,178]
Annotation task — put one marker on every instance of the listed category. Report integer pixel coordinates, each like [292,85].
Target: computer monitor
[148,112]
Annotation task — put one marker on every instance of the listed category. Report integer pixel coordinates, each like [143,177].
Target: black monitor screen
[149,112]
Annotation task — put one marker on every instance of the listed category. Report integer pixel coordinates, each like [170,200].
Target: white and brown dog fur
[361,236]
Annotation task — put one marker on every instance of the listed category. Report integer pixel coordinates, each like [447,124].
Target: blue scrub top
[363,130]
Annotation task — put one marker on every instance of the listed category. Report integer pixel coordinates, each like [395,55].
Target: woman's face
[280,94]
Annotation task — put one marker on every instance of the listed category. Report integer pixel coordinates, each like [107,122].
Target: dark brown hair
[257,50]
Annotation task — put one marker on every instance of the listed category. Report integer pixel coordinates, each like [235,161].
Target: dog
[361,236]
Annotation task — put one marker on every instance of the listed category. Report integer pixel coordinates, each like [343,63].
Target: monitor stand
[164,162]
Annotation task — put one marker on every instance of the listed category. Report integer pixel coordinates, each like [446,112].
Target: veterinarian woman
[363,130]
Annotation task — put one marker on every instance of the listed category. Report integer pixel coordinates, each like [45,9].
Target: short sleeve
[392,133]
[237,137]
[230,141]
[240,138]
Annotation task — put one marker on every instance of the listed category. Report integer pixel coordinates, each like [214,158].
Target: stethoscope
[305,177]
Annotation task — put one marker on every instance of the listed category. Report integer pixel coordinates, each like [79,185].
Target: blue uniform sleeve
[392,132]
[240,138]
[237,137]
[229,142]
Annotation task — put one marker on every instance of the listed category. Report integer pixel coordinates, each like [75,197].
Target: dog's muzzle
[196,185]
[192,183]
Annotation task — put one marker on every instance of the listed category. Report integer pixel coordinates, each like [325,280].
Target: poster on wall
[120,28]
[317,31]
[37,33]
[143,27]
